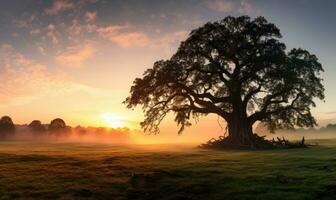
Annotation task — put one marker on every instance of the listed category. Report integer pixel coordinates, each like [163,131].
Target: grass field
[101,171]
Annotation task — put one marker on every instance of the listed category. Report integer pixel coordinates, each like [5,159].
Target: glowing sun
[113,120]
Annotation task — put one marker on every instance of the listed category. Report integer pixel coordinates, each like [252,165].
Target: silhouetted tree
[80,130]
[7,127]
[58,127]
[235,68]
[36,126]
[331,126]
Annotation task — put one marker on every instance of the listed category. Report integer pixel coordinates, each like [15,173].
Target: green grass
[100,171]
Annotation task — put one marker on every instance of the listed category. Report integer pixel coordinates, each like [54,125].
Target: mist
[76,134]
[325,132]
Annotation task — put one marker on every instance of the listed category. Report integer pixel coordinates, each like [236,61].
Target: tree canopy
[237,68]
[36,126]
[58,126]
[7,127]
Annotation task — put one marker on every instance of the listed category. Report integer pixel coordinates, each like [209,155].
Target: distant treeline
[58,130]
[263,130]
[327,128]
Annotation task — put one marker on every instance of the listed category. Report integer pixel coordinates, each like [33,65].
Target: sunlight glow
[113,120]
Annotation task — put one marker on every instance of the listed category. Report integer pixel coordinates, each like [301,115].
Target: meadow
[32,170]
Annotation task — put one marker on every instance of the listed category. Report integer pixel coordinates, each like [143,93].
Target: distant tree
[7,127]
[238,69]
[80,130]
[100,130]
[328,128]
[58,127]
[36,126]
[331,126]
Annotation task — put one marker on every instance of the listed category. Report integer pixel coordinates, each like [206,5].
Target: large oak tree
[236,68]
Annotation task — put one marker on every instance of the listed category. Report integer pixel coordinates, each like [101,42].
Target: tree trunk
[240,132]
[239,128]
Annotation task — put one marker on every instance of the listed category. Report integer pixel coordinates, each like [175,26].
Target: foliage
[236,68]
[58,126]
[36,126]
[7,127]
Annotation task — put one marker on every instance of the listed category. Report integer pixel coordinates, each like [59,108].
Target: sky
[77,59]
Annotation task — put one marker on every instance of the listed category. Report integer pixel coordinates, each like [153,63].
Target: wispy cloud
[66,35]
[123,36]
[221,5]
[90,16]
[109,31]
[23,80]
[75,56]
[58,6]
[238,6]
[126,36]
[41,50]
[131,39]
[35,31]
[52,35]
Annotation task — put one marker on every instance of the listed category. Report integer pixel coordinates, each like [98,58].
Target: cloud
[58,6]
[126,37]
[122,36]
[41,50]
[24,80]
[52,33]
[36,31]
[74,30]
[239,6]
[221,5]
[90,16]
[131,39]
[75,56]
[110,30]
